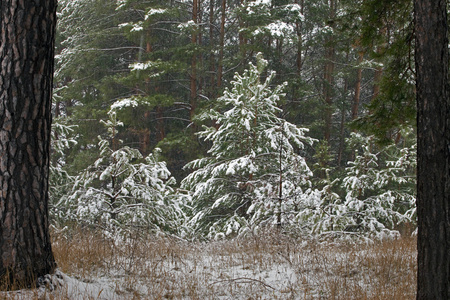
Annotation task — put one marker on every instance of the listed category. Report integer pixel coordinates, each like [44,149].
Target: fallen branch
[245,280]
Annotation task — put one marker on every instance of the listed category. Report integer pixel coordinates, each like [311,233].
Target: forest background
[221,118]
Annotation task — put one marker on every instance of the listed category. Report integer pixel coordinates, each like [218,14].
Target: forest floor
[269,266]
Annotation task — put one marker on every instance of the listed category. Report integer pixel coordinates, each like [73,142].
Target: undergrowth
[267,266]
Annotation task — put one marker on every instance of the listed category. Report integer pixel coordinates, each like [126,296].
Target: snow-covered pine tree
[379,187]
[378,197]
[60,181]
[254,175]
[123,190]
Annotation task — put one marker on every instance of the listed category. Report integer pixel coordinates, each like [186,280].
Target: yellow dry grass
[268,266]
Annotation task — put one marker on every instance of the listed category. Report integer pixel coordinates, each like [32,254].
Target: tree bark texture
[433,159]
[26,78]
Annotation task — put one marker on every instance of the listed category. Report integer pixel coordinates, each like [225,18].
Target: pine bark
[26,77]
[433,159]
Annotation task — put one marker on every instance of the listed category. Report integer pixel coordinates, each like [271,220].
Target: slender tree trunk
[357,97]
[26,78]
[329,78]
[379,69]
[327,90]
[376,81]
[433,150]
[68,106]
[161,131]
[242,40]
[212,61]
[193,78]
[200,57]
[298,25]
[280,50]
[149,88]
[342,123]
[222,43]
[280,186]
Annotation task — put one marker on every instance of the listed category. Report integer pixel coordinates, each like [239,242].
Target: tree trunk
[342,123]
[221,43]
[376,82]
[193,79]
[160,124]
[242,39]
[329,78]
[212,61]
[299,25]
[357,97]
[433,150]
[26,78]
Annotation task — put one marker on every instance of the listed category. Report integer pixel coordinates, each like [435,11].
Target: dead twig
[245,280]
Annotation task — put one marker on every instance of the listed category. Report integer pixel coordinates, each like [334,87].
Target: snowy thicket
[164,63]
[123,190]
[377,197]
[60,181]
[254,174]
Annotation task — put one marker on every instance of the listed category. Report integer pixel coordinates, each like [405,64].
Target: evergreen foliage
[342,76]
[60,181]
[253,175]
[123,190]
[379,194]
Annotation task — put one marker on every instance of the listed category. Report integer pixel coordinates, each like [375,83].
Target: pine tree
[379,194]
[123,190]
[433,149]
[253,175]
[26,83]
[60,181]
[91,50]
[384,31]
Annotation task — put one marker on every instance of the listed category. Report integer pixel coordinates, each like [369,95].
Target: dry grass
[269,266]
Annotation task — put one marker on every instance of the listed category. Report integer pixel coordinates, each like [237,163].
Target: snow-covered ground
[257,268]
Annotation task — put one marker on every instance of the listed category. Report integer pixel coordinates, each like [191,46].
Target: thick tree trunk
[26,76]
[433,148]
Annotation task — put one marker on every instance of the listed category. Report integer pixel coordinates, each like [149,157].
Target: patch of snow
[154,11]
[137,27]
[141,66]
[127,102]
[189,24]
